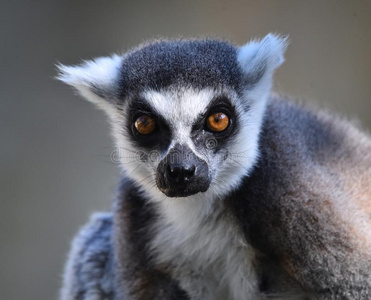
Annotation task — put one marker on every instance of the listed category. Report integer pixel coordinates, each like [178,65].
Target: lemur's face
[186,115]
[184,139]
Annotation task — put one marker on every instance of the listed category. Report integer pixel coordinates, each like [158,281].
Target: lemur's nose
[177,173]
[181,173]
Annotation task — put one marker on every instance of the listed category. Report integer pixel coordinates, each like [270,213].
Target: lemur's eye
[217,122]
[145,124]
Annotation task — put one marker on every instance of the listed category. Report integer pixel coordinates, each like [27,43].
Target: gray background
[54,157]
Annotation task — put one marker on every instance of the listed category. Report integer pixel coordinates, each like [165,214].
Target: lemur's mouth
[183,192]
[181,173]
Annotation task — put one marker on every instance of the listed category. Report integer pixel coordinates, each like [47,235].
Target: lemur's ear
[96,80]
[259,59]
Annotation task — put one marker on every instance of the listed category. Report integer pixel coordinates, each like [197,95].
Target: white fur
[102,73]
[269,50]
[208,250]
[180,108]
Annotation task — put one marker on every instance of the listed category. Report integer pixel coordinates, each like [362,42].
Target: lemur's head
[185,114]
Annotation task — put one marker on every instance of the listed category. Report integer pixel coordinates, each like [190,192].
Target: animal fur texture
[276,205]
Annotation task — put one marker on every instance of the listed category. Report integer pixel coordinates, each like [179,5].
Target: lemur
[229,191]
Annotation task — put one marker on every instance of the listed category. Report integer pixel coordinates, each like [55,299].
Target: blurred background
[55,167]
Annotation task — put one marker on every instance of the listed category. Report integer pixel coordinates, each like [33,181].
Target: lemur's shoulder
[89,273]
[311,186]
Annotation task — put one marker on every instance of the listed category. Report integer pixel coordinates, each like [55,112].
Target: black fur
[159,139]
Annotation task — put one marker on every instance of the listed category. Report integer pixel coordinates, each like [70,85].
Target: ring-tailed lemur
[229,192]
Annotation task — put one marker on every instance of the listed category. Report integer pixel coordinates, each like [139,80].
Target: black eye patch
[204,137]
[159,138]
[220,104]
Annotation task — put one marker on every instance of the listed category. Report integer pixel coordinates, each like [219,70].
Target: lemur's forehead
[180,107]
[197,64]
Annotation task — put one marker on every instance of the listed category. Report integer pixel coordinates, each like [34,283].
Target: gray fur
[320,228]
[185,63]
[89,273]
[286,215]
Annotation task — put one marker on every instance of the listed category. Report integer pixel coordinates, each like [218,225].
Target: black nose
[181,173]
[176,173]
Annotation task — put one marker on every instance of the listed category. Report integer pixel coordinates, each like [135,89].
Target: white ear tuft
[94,79]
[259,59]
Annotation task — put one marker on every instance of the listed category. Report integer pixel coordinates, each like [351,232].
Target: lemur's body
[286,215]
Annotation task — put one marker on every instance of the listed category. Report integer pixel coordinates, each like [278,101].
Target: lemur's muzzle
[181,173]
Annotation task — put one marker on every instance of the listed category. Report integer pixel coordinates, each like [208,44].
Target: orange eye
[217,122]
[145,124]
